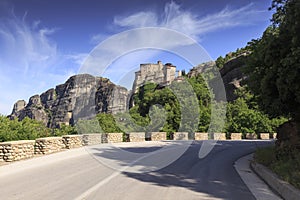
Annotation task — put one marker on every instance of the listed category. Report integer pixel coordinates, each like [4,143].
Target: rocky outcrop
[231,73]
[19,105]
[82,96]
[201,69]
[34,110]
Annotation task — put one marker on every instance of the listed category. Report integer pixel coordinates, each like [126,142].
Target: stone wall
[137,137]
[16,150]
[158,136]
[72,141]
[48,145]
[219,136]
[92,139]
[201,136]
[265,136]
[181,136]
[23,149]
[112,137]
[236,136]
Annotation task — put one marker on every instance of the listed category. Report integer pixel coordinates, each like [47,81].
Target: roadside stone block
[112,137]
[72,141]
[16,150]
[91,139]
[264,136]
[181,136]
[48,145]
[219,136]
[137,137]
[158,136]
[201,136]
[236,136]
[251,136]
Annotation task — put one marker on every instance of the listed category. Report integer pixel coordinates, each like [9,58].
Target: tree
[220,62]
[274,64]
[241,118]
[107,123]
[274,71]
[27,129]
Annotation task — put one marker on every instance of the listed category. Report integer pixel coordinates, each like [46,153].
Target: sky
[43,42]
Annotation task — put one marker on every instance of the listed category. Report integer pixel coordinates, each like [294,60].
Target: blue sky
[43,42]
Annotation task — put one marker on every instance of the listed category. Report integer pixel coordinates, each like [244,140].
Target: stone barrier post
[264,136]
[91,139]
[137,137]
[72,141]
[181,136]
[16,150]
[236,136]
[48,145]
[112,137]
[158,136]
[219,136]
[201,136]
[251,136]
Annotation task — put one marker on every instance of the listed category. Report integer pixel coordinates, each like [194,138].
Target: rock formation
[231,74]
[82,96]
[201,68]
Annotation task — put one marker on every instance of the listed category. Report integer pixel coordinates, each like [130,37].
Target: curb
[259,189]
[283,188]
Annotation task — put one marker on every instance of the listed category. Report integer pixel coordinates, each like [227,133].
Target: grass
[287,168]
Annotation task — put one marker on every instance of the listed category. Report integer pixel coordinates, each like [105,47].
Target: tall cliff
[231,74]
[82,96]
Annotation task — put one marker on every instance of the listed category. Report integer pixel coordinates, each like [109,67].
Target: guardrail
[24,149]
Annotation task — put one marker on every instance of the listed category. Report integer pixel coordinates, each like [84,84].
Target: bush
[265,156]
[65,130]
[29,129]
[287,168]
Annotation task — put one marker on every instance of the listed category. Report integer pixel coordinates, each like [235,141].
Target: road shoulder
[258,187]
[286,190]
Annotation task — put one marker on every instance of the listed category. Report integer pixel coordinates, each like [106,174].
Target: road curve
[105,172]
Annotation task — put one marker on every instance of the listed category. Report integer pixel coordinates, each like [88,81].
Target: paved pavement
[125,171]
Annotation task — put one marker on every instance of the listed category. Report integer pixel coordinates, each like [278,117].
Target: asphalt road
[148,170]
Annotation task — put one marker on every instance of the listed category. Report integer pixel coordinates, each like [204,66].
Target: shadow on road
[214,175]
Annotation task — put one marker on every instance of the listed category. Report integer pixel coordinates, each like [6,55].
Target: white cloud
[30,62]
[101,60]
[191,23]
[97,38]
[140,19]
